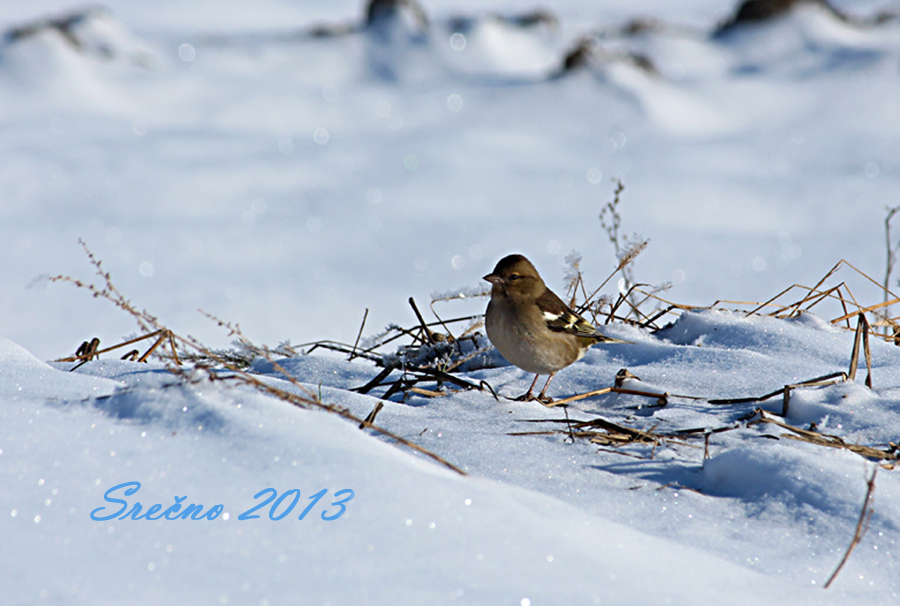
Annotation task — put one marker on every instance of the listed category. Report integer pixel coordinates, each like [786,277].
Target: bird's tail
[599,337]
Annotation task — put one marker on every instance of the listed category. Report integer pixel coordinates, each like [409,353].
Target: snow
[26,378]
[218,158]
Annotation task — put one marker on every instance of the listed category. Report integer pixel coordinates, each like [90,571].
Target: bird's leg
[528,396]
[543,397]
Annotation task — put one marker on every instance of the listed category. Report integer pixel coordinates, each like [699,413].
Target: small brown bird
[531,327]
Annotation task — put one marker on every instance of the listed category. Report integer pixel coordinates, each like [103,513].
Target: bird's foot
[530,397]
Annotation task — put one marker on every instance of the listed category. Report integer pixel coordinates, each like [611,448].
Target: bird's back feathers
[560,318]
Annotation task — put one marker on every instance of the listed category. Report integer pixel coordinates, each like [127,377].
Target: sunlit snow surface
[220,158]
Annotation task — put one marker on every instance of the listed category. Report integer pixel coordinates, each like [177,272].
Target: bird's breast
[520,334]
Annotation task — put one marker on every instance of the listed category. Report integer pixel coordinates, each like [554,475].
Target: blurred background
[288,165]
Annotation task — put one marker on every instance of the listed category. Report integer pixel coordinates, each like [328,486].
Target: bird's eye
[514,276]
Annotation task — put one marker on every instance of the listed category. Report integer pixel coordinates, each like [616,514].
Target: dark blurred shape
[379,12]
[759,11]
[65,24]
[588,51]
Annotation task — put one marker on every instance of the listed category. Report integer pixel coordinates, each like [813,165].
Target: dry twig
[862,525]
[305,398]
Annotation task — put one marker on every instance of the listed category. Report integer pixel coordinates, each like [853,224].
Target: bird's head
[514,276]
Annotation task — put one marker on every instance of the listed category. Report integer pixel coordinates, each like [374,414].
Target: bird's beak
[492,278]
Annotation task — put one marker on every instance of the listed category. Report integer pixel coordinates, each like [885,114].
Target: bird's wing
[560,318]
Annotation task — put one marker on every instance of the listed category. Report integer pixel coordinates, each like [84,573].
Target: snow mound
[92,32]
[79,60]
[784,477]
[808,37]
[24,378]
[406,518]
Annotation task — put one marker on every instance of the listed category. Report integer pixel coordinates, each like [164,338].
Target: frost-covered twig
[626,249]
[147,322]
